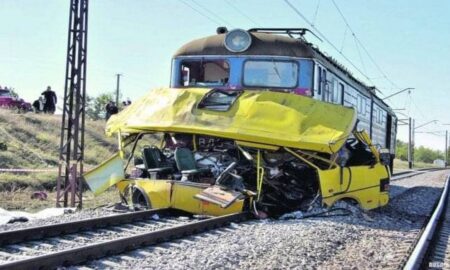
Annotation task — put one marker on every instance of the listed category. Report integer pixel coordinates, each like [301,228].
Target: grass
[10,182]
[401,165]
[21,200]
[33,143]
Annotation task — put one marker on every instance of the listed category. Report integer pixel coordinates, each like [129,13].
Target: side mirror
[385,156]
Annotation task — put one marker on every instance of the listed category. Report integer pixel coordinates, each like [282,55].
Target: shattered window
[204,73]
[218,100]
[271,73]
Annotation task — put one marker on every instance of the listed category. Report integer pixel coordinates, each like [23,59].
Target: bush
[421,153]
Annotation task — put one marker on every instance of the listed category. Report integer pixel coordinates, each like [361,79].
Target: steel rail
[95,251]
[36,233]
[416,258]
[408,174]
[396,177]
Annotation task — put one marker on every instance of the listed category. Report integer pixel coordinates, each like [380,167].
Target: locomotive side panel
[379,121]
[331,86]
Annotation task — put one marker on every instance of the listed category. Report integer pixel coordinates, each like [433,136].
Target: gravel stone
[364,240]
[375,239]
[77,215]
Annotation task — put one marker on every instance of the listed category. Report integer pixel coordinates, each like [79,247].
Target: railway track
[406,174]
[76,242]
[432,249]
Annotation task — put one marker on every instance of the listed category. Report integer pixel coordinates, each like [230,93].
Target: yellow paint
[365,180]
[258,145]
[264,117]
[179,195]
[105,175]
[258,119]
[363,136]
[364,186]
[259,174]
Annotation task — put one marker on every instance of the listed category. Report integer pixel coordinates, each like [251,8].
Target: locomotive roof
[262,44]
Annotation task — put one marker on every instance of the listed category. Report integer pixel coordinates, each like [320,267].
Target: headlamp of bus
[237,40]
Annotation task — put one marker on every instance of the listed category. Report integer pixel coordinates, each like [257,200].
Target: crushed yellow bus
[215,152]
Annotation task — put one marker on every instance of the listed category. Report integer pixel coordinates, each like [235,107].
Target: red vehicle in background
[8,100]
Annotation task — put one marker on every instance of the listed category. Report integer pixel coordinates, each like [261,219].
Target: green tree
[427,155]
[402,150]
[95,107]
[421,153]
[13,93]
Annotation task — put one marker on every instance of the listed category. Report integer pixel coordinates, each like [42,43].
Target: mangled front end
[218,152]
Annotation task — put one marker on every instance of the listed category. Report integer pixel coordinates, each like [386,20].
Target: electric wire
[327,40]
[363,47]
[343,40]
[242,13]
[359,53]
[377,78]
[212,13]
[316,12]
[201,13]
[419,110]
[408,103]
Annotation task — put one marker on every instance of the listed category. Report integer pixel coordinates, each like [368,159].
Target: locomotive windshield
[205,73]
[271,73]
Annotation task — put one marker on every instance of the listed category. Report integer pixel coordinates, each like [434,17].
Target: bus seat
[155,162]
[186,164]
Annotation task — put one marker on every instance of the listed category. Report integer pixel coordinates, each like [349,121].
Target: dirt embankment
[32,142]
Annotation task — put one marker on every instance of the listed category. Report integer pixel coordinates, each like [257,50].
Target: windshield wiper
[276,69]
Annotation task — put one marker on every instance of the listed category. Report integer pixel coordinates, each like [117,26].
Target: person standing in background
[109,108]
[50,100]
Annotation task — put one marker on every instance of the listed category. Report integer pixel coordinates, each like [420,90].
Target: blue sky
[408,40]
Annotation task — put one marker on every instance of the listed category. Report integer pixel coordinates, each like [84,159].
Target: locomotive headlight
[237,40]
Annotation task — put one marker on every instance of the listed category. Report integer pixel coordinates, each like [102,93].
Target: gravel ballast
[70,216]
[375,239]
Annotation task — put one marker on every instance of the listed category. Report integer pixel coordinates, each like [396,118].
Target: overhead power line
[242,13]
[316,12]
[327,40]
[359,53]
[343,40]
[362,46]
[211,13]
[201,13]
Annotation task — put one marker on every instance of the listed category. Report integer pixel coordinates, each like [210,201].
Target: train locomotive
[257,120]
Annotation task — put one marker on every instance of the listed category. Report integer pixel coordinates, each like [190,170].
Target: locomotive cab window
[204,73]
[270,73]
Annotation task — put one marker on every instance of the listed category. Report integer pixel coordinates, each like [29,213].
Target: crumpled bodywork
[105,175]
[265,151]
[179,195]
[264,117]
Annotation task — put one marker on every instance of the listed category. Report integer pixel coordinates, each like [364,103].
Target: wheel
[140,199]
